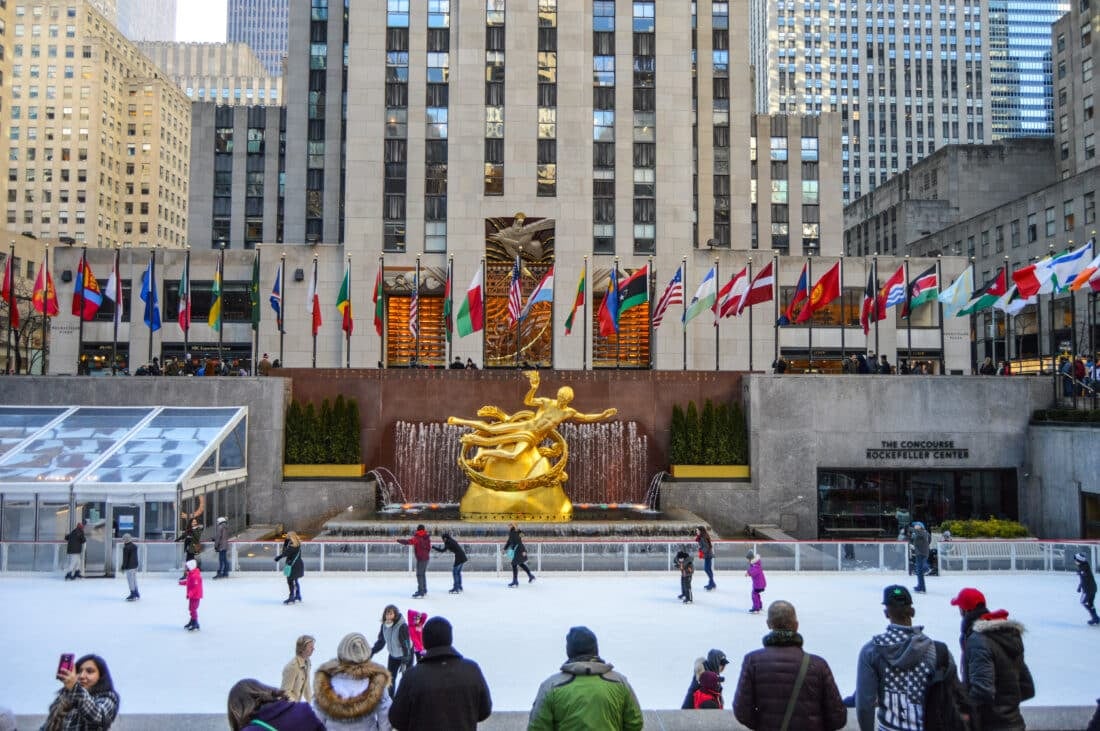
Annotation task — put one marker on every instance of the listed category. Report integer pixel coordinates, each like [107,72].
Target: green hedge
[992,528]
[326,436]
[1074,416]
[716,437]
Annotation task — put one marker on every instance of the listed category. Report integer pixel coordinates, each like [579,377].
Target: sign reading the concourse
[917,449]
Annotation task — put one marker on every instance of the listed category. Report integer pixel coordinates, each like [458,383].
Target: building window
[1014,228]
[1067,215]
[809,149]
[1090,207]
[1050,222]
[779,148]
[1090,146]
[494,97]
[1087,106]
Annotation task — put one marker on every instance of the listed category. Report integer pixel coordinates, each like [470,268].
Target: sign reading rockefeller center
[918,449]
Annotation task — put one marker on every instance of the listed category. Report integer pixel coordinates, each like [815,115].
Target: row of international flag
[1069,271]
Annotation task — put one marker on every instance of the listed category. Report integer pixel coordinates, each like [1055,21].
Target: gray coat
[221,538]
[921,541]
[891,678]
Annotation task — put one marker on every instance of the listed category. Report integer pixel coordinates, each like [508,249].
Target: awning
[158,452]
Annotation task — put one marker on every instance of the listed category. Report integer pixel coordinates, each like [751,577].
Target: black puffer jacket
[443,691]
[767,681]
[996,677]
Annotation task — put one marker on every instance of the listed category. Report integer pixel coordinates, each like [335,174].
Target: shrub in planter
[717,437]
[991,528]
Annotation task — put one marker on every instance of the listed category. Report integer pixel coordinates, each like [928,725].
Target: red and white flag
[762,289]
[729,305]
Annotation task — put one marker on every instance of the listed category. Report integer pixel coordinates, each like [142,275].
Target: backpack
[941,697]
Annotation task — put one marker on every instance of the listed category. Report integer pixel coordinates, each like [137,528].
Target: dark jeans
[921,566]
[685,587]
[516,565]
[223,563]
[394,664]
[422,577]
[294,587]
[708,567]
[456,576]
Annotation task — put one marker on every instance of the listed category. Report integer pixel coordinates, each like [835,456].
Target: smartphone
[65,663]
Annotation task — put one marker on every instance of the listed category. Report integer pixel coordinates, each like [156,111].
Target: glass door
[97,534]
[125,519]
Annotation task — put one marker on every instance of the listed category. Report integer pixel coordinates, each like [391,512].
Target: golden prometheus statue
[510,471]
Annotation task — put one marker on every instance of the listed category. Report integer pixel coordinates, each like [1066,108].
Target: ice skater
[1087,586]
[706,552]
[130,566]
[74,549]
[193,582]
[293,568]
[421,543]
[759,582]
[687,569]
[416,631]
[515,551]
[450,544]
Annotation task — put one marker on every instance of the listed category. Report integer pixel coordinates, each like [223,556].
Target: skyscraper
[907,78]
[141,20]
[1020,66]
[262,24]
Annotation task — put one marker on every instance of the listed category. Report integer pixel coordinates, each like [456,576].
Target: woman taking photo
[254,706]
[87,699]
[515,551]
[293,569]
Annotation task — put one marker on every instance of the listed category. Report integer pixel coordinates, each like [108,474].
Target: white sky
[516,635]
[201,20]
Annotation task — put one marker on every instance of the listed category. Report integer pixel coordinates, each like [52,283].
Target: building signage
[918,449]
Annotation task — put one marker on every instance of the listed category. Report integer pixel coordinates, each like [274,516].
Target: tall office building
[906,78]
[98,138]
[1020,66]
[228,74]
[141,20]
[262,24]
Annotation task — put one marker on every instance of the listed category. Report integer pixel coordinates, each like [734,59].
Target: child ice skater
[759,583]
[1087,586]
[193,582]
[687,568]
[416,631]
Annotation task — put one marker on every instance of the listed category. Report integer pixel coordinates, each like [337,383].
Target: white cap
[192,565]
[222,519]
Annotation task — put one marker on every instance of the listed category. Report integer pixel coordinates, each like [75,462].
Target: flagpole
[450,306]
[618,333]
[255,311]
[584,316]
[347,333]
[1053,350]
[747,292]
[118,304]
[152,292]
[80,311]
[553,300]
[484,290]
[717,319]
[651,278]
[416,295]
[187,278]
[874,307]
[221,301]
[11,306]
[382,301]
[775,306]
[683,307]
[843,322]
[908,316]
[518,270]
[1006,320]
[809,301]
[939,284]
[282,302]
[312,305]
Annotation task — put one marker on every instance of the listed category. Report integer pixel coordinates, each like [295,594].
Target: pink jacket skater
[759,582]
[416,630]
[193,582]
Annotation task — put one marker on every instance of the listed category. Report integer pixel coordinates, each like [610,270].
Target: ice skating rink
[516,635]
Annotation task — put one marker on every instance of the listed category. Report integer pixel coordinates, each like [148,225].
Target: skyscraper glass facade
[262,24]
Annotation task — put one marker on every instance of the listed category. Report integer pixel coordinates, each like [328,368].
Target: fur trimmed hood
[338,707]
[992,622]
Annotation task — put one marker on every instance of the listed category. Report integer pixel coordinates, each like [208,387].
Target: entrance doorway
[1090,515]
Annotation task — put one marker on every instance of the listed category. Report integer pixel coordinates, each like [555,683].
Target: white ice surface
[516,635]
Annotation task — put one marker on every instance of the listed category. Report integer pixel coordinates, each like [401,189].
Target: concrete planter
[324,470]
[710,472]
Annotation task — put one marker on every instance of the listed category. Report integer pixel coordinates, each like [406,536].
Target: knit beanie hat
[1079,558]
[353,649]
[437,633]
[192,565]
[581,642]
[710,681]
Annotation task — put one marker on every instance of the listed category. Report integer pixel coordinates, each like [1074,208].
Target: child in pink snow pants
[759,583]
[193,582]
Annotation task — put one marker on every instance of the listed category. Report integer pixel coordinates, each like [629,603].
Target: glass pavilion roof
[140,448]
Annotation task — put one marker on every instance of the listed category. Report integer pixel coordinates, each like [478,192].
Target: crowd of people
[905,681]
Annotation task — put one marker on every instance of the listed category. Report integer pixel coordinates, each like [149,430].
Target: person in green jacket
[587,695]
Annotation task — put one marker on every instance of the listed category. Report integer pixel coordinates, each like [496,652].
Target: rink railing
[580,556]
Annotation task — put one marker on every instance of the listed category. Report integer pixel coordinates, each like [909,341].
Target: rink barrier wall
[1039,718]
[625,556]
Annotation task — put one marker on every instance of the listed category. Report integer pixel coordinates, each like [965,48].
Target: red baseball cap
[968,599]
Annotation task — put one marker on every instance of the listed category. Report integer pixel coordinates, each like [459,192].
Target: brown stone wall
[431,395]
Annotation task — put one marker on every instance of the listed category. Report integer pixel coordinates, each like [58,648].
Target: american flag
[674,295]
[515,304]
[414,307]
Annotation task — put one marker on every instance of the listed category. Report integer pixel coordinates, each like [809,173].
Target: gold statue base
[541,504]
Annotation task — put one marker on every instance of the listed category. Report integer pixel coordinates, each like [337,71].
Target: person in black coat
[130,565]
[1086,586]
[292,552]
[444,690]
[519,555]
[450,544]
[714,662]
[74,547]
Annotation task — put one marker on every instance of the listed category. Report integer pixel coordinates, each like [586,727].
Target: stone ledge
[1038,718]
